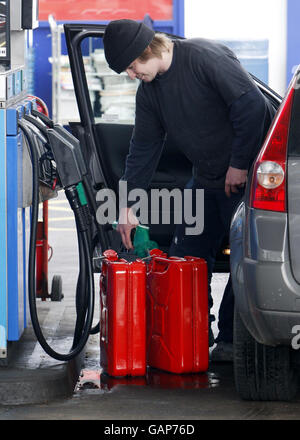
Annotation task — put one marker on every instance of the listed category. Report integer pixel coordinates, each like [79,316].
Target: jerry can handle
[161,264]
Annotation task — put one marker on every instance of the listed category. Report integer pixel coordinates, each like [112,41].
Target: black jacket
[208,106]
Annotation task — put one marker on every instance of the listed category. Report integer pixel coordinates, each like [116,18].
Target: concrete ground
[37,387]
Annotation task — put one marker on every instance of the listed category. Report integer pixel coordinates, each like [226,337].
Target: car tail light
[268,189]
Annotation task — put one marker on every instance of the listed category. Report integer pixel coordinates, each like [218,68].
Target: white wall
[243,19]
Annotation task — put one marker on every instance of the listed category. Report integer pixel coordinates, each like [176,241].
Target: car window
[112,95]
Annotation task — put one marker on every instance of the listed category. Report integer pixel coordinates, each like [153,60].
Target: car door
[106,104]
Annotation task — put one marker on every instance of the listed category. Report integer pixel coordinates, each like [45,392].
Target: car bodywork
[265,263]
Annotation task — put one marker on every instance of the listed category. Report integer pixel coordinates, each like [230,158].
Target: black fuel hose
[92,209]
[83,330]
[81,294]
[81,299]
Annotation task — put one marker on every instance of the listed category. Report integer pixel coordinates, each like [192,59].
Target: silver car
[265,263]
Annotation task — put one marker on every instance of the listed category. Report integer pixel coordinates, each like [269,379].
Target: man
[195,92]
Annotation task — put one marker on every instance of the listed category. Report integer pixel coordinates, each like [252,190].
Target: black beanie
[124,41]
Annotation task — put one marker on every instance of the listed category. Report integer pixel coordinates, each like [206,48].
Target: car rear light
[270,175]
[268,188]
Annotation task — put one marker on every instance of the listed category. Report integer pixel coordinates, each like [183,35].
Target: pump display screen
[4,31]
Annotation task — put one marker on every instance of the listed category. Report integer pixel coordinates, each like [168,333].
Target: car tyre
[261,372]
[56,288]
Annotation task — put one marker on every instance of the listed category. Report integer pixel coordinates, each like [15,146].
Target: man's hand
[235,179]
[127,222]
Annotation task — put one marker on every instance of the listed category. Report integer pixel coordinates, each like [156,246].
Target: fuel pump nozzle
[141,240]
[65,149]
[71,167]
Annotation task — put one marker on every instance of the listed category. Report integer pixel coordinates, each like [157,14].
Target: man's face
[145,71]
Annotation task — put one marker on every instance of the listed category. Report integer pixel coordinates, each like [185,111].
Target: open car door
[106,104]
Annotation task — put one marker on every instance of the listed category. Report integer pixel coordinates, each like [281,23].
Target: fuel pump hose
[86,310]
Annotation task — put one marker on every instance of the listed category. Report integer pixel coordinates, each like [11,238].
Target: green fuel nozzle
[141,241]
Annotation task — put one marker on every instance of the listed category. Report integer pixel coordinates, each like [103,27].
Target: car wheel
[261,372]
[56,288]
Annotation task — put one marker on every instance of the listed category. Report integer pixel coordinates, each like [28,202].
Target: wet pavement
[95,396]
[208,396]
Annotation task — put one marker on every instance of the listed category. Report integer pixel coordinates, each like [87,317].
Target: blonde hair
[159,44]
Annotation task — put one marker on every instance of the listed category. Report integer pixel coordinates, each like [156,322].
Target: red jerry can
[177,314]
[123,316]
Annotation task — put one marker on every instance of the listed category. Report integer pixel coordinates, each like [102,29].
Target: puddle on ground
[96,379]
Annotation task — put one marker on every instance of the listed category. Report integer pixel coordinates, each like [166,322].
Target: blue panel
[3,276]
[293,37]
[12,223]
[42,66]
[12,115]
[178,17]
[14,239]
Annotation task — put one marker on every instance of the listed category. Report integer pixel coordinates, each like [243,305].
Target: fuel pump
[28,176]
[18,18]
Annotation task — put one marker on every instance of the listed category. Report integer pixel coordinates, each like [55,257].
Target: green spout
[141,242]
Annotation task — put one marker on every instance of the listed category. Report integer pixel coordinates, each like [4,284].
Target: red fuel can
[123,316]
[177,314]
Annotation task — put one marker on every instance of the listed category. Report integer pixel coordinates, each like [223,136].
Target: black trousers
[218,210]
